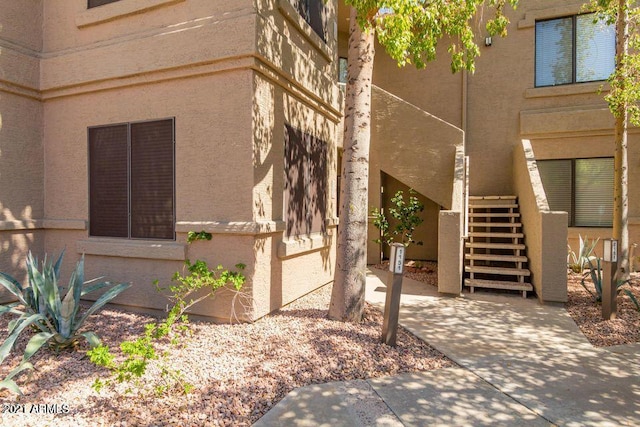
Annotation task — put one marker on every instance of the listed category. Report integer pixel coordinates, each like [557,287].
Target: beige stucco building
[531,115]
[125,124]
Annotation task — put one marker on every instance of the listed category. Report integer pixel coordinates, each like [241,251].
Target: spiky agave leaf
[9,383]
[91,338]
[71,302]
[35,343]
[6,347]
[90,286]
[104,298]
[14,287]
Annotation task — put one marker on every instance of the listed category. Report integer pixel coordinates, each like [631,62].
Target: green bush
[406,214]
[41,305]
[139,352]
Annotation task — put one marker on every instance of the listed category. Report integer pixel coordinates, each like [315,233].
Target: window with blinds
[573,49]
[131,180]
[96,3]
[581,187]
[305,169]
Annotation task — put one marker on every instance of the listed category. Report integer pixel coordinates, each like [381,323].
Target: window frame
[574,51]
[572,215]
[129,179]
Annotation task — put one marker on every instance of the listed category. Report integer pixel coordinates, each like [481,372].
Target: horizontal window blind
[554,47]
[132,180]
[305,195]
[581,187]
[573,49]
[295,182]
[595,49]
[594,192]
[556,180]
[108,181]
[152,211]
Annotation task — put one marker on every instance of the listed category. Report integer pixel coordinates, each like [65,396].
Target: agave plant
[595,272]
[40,304]
[578,262]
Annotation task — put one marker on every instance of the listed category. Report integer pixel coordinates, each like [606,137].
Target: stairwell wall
[545,230]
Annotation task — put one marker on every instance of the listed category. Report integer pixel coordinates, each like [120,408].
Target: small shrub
[144,349]
[41,305]
[406,213]
[192,236]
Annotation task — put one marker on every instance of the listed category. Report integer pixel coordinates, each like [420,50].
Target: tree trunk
[347,297]
[621,163]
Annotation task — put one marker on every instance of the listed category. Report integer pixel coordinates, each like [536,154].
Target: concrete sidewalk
[520,364]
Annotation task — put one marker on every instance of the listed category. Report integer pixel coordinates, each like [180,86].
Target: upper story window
[314,12]
[131,180]
[581,187]
[96,3]
[574,49]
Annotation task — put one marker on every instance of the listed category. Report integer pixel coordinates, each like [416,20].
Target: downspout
[464,102]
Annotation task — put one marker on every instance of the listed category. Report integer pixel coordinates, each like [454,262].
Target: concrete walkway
[520,364]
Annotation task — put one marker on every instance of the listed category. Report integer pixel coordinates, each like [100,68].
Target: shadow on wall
[17,231]
[293,150]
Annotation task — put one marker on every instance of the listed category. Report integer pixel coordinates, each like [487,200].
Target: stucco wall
[214,67]
[414,147]
[545,230]
[21,153]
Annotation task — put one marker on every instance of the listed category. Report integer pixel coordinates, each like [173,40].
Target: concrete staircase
[495,255]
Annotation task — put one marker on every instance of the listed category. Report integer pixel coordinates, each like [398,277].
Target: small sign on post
[394,291]
[396,261]
[609,288]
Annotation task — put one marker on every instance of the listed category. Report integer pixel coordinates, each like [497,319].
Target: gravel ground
[625,329]
[239,371]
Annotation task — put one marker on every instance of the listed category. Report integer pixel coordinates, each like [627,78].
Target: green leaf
[35,343]
[12,310]
[105,298]
[11,386]
[90,287]
[91,338]
[6,347]
[58,264]
[13,286]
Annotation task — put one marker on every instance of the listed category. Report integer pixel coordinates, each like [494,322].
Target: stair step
[492,197]
[493,206]
[495,224]
[496,257]
[494,215]
[498,270]
[485,245]
[495,284]
[504,235]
